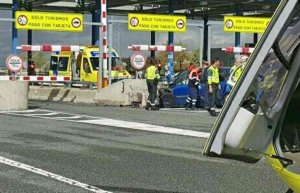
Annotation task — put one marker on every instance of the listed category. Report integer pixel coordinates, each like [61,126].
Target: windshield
[116,61]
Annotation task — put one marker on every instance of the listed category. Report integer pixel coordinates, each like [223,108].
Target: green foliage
[40,59]
[195,56]
[181,59]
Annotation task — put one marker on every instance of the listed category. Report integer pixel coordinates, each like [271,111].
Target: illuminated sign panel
[245,24]
[49,21]
[154,22]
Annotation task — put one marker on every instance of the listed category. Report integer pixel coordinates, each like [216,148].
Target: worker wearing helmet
[237,69]
[152,78]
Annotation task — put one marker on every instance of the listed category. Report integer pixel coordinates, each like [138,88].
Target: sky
[122,37]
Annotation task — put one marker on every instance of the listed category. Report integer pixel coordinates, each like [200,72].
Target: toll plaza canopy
[193,9]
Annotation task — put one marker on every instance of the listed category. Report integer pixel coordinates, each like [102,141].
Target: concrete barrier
[13,95]
[125,92]
[122,93]
[62,94]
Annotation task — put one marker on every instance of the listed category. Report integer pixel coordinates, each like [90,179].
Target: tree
[40,59]
[195,56]
[181,59]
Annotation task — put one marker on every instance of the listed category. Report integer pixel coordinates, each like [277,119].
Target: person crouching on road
[193,88]
[152,78]
[213,81]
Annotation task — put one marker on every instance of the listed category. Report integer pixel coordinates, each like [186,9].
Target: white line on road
[113,123]
[146,127]
[50,175]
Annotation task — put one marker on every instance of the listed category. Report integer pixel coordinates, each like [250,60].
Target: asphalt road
[63,147]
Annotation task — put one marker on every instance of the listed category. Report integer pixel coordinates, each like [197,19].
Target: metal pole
[29,41]
[209,43]
[170,43]
[95,29]
[100,73]
[205,38]
[110,42]
[200,45]
[103,45]
[14,30]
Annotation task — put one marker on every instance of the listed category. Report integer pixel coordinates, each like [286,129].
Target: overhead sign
[155,22]
[138,61]
[49,21]
[245,24]
[14,63]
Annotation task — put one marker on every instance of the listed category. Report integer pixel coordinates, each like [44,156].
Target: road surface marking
[109,122]
[146,127]
[50,175]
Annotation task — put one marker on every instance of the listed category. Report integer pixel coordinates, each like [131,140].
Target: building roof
[193,9]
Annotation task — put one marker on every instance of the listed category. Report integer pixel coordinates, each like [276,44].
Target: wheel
[167,100]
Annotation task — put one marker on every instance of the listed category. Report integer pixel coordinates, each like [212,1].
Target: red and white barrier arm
[242,50]
[49,48]
[37,78]
[156,48]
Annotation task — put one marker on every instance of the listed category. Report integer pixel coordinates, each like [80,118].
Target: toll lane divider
[122,93]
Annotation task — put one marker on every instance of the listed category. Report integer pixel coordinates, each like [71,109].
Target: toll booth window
[291,38]
[63,63]
[53,62]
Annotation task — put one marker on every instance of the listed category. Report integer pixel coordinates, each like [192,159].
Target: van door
[85,70]
[247,123]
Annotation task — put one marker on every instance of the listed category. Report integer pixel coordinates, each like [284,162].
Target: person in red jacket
[193,88]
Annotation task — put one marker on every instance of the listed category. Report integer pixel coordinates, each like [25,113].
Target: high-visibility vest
[232,69]
[237,74]
[152,73]
[213,75]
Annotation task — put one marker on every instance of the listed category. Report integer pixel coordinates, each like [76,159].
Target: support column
[152,54]
[238,34]
[110,42]
[170,45]
[14,30]
[255,38]
[29,39]
[205,38]
[209,43]
[95,29]
[200,45]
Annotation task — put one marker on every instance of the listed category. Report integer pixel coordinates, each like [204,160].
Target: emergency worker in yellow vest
[236,69]
[193,88]
[213,81]
[152,78]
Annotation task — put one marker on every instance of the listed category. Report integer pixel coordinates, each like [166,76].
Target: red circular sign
[138,61]
[14,63]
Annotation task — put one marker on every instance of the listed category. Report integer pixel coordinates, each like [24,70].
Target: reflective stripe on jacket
[213,75]
[152,73]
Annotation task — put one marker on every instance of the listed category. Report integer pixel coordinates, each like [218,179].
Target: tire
[167,100]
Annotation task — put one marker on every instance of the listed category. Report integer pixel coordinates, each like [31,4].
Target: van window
[290,130]
[63,63]
[115,61]
[290,39]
